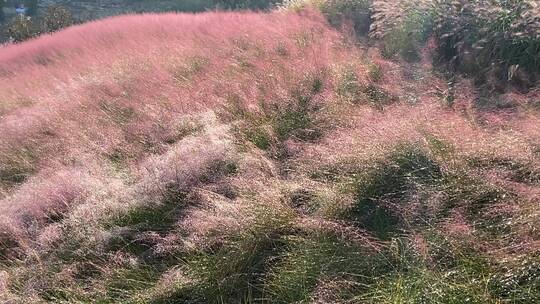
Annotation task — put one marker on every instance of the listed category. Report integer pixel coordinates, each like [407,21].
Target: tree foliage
[21,28]
[57,18]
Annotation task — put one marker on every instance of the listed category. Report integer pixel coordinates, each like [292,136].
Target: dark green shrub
[142,6]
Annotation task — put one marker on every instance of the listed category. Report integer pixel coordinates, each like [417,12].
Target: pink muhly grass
[42,199]
[373,134]
[214,218]
[119,86]
[184,164]
[61,59]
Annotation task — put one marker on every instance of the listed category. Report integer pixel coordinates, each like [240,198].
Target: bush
[57,18]
[495,42]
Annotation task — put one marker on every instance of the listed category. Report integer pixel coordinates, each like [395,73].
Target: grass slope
[257,158]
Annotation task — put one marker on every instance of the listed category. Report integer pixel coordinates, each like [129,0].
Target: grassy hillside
[237,157]
[87,10]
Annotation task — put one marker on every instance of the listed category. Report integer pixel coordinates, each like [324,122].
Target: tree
[21,28]
[57,18]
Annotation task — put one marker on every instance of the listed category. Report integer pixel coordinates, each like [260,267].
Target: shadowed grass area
[312,259]
[17,167]
[383,193]
[235,271]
